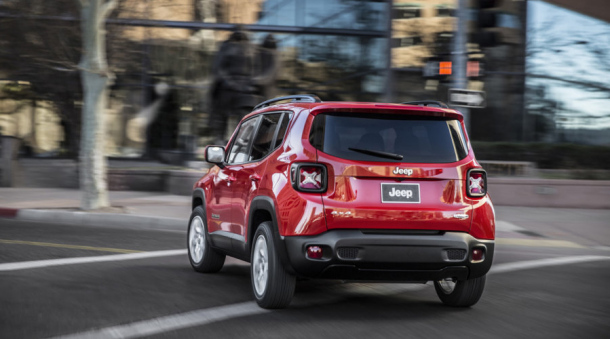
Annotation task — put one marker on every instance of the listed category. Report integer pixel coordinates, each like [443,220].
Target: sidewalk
[557,227]
[129,209]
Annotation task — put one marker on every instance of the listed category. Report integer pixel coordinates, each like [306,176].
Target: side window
[282,132]
[458,138]
[264,136]
[239,149]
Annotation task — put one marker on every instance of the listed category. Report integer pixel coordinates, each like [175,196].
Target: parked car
[346,190]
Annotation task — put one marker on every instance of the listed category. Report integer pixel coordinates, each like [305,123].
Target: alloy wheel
[196,240]
[260,265]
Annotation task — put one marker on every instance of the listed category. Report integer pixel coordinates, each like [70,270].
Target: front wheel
[202,256]
[273,287]
[460,293]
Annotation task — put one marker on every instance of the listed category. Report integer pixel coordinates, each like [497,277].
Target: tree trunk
[95,79]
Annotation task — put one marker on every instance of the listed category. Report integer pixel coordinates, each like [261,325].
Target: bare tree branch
[107,8]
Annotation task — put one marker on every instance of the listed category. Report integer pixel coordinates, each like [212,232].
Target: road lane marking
[15,266]
[537,242]
[505,226]
[172,322]
[210,315]
[525,265]
[76,247]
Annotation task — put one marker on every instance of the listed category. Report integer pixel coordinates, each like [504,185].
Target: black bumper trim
[350,272]
[388,257]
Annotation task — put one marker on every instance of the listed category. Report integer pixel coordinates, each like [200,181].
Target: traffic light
[445,67]
[440,65]
[475,68]
[439,68]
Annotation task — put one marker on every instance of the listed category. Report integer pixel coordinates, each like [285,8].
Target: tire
[275,288]
[202,256]
[465,293]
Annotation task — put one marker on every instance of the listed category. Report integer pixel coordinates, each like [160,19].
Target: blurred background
[187,70]
[530,77]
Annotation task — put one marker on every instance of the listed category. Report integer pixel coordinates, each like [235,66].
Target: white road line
[536,243]
[172,322]
[210,315]
[214,314]
[24,265]
[524,265]
[505,226]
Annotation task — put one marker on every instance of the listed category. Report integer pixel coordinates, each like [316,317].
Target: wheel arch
[198,198]
[263,209]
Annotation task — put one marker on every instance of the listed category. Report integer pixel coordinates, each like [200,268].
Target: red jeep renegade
[346,190]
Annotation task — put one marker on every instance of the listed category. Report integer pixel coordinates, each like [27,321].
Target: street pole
[460,58]
[389,84]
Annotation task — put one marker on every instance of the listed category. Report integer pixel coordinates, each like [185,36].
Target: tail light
[477,183]
[308,177]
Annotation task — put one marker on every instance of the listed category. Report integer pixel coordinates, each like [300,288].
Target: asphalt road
[162,297]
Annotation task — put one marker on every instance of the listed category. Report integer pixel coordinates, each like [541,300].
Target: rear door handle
[255,177]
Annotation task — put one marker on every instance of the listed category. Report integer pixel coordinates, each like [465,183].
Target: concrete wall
[136,180]
[58,173]
[509,168]
[46,173]
[550,192]
[510,191]
[181,182]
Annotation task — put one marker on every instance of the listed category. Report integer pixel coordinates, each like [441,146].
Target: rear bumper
[354,255]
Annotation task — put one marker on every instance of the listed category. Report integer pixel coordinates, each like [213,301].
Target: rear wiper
[377,153]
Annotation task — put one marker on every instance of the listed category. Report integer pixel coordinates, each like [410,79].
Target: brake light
[308,177]
[477,183]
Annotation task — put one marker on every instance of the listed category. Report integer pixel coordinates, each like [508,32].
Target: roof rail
[294,98]
[426,103]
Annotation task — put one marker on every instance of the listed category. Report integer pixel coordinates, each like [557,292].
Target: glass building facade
[165,55]
[568,92]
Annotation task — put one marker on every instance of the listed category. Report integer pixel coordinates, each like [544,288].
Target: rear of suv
[346,190]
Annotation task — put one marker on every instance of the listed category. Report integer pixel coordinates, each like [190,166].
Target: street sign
[467,98]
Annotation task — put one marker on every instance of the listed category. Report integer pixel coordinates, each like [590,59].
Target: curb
[8,212]
[111,220]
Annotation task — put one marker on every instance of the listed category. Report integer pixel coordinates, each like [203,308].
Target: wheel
[460,293]
[202,256]
[273,287]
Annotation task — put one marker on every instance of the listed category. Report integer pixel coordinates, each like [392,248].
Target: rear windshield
[388,138]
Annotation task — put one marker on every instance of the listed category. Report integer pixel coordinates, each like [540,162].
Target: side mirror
[215,155]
